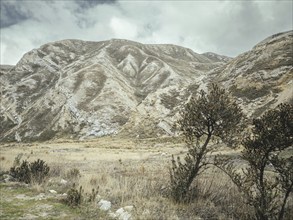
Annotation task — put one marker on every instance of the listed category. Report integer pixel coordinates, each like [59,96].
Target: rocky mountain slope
[80,89]
[261,78]
[83,89]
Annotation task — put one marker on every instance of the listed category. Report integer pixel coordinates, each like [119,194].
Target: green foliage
[30,172]
[21,173]
[74,196]
[39,170]
[212,115]
[250,92]
[267,181]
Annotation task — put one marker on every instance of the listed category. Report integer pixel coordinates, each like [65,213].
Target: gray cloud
[224,27]
[93,3]
[11,14]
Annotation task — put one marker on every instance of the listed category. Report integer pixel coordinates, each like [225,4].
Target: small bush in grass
[73,173]
[30,172]
[92,196]
[74,196]
[39,170]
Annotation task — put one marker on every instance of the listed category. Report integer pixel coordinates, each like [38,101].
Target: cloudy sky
[223,27]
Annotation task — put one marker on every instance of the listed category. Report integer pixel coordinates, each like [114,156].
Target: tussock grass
[125,172]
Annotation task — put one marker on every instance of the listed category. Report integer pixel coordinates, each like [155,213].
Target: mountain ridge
[81,89]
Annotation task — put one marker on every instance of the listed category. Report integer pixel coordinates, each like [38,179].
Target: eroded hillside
[79,89]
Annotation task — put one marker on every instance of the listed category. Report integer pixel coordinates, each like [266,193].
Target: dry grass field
[125,172]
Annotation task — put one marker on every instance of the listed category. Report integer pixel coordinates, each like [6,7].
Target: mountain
[79,89]
[261,78]
[83,89]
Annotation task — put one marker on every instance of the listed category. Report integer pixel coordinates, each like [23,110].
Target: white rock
[119,211]
[52,191]
[128,208]
[122,214]
[63,181]
[104,205]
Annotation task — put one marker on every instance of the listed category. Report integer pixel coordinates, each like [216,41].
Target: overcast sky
[223,27]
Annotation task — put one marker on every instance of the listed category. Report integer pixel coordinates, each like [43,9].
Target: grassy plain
[124,171]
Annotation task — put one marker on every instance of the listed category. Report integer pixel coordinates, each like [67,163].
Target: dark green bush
[30,172]
[39,170]
[21,173]
[74,196]
[266,182]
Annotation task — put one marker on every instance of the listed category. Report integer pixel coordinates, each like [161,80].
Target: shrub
[92,196]
[73,174]
[267,180]
[207,116]
[21,173]
[30,172]
[74,197]
[39,170]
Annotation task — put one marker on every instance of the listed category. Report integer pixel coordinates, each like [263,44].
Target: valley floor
[126,172]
